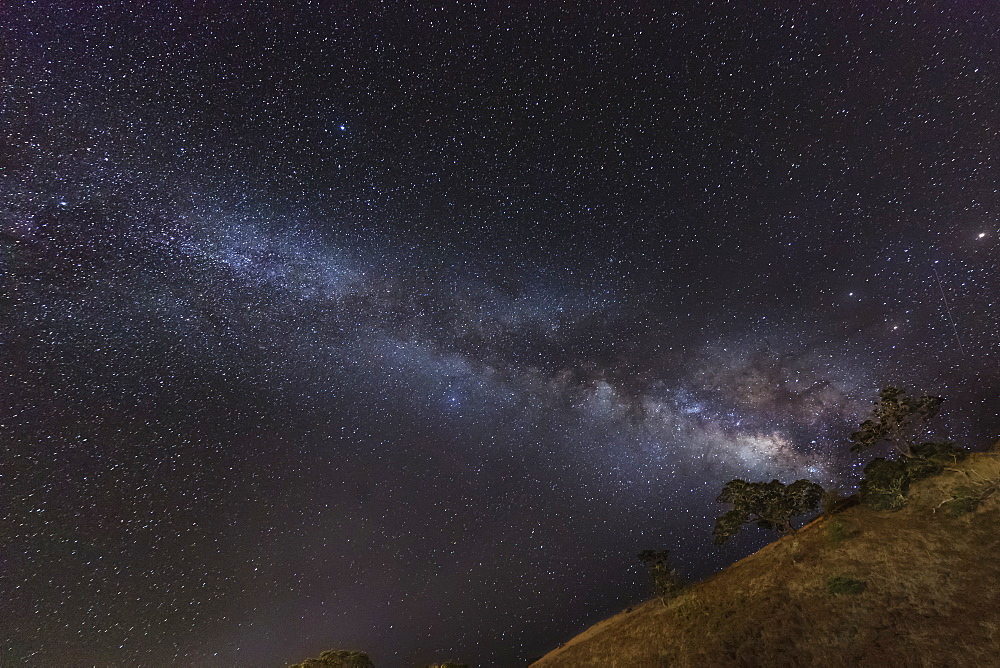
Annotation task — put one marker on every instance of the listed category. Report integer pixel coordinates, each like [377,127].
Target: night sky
[404,327]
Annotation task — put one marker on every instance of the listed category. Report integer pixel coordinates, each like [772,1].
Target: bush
[667,584]
[961,505]
[841,585]
[966,499]
[885,484]
[837,532]
[338,658]
[887,481]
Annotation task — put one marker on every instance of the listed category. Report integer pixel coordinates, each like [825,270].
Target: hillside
[917,587]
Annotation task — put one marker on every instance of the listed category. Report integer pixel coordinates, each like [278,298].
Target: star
[267,392]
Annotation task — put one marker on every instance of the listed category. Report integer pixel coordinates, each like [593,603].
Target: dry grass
[931,595]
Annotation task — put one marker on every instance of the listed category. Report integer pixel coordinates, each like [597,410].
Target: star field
[405,327]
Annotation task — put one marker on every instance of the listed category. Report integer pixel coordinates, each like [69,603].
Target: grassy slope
[932,595]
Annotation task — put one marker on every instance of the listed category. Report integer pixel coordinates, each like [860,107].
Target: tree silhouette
[898,419]
[772,505]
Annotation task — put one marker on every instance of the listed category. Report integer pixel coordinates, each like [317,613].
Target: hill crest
[919,586]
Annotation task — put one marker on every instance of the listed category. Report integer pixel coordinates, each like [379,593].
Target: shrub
[887,481]
[841,585]
[837,532]
[338,658]
[885,484]
[961,505]
[966,499]
[667,584]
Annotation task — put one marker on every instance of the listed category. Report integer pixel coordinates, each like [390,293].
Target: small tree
[898,419]
[338,658]
[666,582]
[772,505]
[885,484]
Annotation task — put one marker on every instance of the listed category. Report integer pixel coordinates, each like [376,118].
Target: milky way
[407,329]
